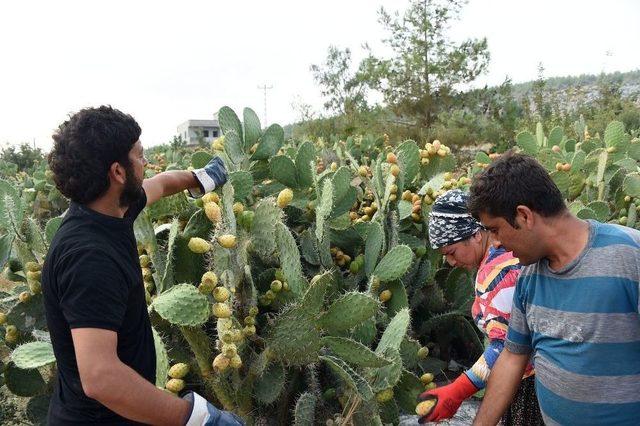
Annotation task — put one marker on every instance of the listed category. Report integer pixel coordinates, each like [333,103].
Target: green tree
[343,90]
[427,67]
[25,156]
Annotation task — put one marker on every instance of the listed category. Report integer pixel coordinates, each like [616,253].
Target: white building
[194,130]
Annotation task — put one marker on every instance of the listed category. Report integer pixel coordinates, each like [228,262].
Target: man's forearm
[127,393]
[504,381]
[174,181]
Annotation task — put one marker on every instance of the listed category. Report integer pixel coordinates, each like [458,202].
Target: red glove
[449,399]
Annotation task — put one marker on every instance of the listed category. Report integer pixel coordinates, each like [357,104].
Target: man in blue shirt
[576,305]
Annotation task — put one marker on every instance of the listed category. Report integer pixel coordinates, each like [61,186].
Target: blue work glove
[205,414]
[213,175]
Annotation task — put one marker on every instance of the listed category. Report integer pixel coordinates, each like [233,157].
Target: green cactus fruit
[147,274]
[421,251]
[249,320]
[220,363]
[385,395]
[227,337]
[246,219]
[279,275]
[423,352]
[175,385]
[206,287]
[32,266]
[276,286]
[235,362]
[198,245]
[430,386]
[145,261]
[249,330]
[178,371]
[229,350]
[221,294]
[253,311]
[426,378]
[237,208]
[329,394]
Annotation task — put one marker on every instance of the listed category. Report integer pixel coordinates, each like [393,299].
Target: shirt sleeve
[136,208]
[92,290]
[479,372]
[518,336]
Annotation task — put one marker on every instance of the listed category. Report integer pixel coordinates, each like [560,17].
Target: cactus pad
[348,311]
[349,376]
[304,414]
[33,355]
[354,352]
[394,264]
[183,305]
[394,333]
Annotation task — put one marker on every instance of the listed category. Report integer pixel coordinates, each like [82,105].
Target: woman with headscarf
[466,244]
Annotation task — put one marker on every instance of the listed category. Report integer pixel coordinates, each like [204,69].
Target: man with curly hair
[92,281]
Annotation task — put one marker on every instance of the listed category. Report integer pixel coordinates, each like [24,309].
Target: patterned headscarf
[449,221]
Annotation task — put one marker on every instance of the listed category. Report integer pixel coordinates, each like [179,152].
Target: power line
[264,88]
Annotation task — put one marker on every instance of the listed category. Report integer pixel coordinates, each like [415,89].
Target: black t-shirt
[92,279]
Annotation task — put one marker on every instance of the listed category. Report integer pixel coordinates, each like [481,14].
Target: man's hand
[205,414]
[449,398]
[118,387]
[213,175]
[504,381]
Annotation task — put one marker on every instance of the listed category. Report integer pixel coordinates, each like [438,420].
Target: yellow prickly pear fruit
[430,385]
[249,330]
[249,320]
[442,152]
[227,241]
[235,362]
[556,149]
[198,245]
[221,294]
[391,158]
[394,170]
[362,171]
[426,378]
[179,370]
[34,275]
[227,337]
[276,286]
[32,266]
[558,166]
[425,407]
[238,208]
[423,352]
[393,197]
[24,297]
[384,396]
[253,311]
[334,166]
[213,212]
[385,296]
[436,144]
[145,261]
[221,310]
[211,197]
[210,277]
[284,198]
[11,337]
[35,287]
[220,363]
[217,145]
[146,274]
[229,350]
[566,167]
[3,318]
[205,287]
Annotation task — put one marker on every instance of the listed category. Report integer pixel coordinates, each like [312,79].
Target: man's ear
[117,173]
[525,217]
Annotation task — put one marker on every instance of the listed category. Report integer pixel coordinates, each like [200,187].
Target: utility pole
[264,88]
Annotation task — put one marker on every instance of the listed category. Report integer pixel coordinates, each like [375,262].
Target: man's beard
[132,190]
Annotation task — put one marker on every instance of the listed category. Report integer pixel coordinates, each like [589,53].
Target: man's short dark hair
[513,180]
[84,148]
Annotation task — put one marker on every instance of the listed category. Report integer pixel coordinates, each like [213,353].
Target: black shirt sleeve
[92,290]
[135,208]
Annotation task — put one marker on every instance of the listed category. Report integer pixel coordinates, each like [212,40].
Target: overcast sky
[166,62]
